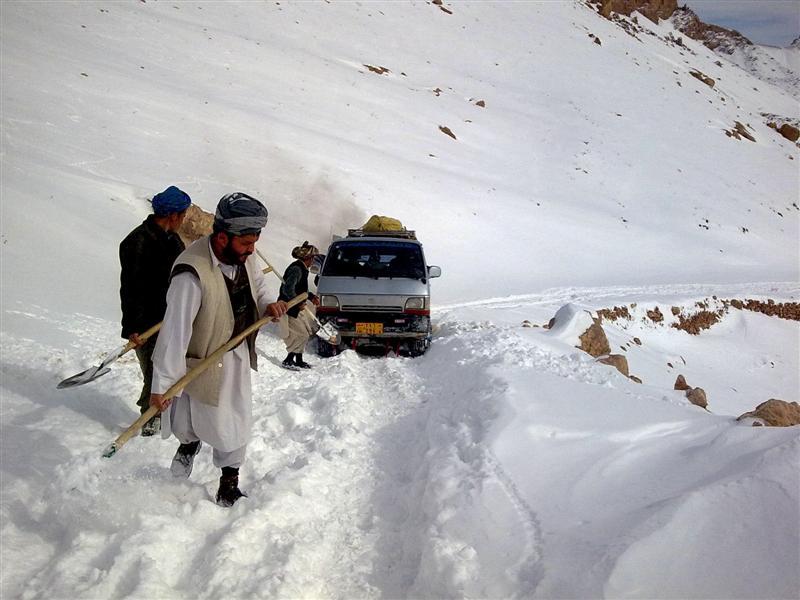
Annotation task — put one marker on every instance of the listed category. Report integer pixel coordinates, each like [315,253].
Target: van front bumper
[393,325]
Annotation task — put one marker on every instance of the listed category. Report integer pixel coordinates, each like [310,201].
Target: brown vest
[215,323]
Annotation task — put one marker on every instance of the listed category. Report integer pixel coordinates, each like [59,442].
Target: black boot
[288,362]
[229,492]
[300,363]
[183,461]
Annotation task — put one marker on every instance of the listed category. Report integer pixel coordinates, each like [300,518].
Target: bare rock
[790,132]
[711,36]
[619,362]
[652,9]
[613,314]
[446,130]
[378,69]
[782,310]
[739,131]
[196,224]
[634,378]
[697,396]
[775,413]
[594,341]
[680,383]
[695,323]
[702,77]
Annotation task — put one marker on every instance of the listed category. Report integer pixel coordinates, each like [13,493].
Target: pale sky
[772,22]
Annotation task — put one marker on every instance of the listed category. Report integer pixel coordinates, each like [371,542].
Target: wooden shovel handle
[278,275]
[144,337]
[269,265]
[178,386]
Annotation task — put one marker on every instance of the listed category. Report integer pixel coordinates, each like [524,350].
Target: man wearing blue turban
[146,256]
[216,292]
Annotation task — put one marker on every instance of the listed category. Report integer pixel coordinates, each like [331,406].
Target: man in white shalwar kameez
[215,293]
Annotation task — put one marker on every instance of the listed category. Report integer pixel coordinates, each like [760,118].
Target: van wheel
[326,350]
[418,347]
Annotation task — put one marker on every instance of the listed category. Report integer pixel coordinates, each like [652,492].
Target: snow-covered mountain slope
[777,66]
[582,150]
[788,57]
[503,463]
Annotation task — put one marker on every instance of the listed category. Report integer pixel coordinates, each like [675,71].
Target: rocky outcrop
[739,50]
[717,38]
[612,314]
[703,77]
[447,131]
[695,323]
[652,9]
[594,341]
[790,132]
[739,131]
[378,69]
[680,384]
[783,310]
[774,413]
[697,396]
[196,224]
[619,362]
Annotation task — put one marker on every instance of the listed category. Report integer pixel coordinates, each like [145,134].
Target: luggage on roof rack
[400,233]
[382,227]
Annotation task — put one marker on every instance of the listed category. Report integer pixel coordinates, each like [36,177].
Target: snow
[503,463]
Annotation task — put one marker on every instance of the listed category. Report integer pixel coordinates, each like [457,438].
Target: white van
[375,288]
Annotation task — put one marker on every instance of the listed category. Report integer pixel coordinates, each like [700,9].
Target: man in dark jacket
[298,324]
[146,256]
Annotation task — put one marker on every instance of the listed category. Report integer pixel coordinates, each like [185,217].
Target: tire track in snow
[367,478]
[473,534]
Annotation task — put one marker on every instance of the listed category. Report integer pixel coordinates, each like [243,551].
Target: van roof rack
[397,233]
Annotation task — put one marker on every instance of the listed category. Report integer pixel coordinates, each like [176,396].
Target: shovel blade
[329,333]
[110,450]
[83,377]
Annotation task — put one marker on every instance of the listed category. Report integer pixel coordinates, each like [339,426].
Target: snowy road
[359,474]
[503,463]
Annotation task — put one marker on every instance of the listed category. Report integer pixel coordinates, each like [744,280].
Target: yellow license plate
[369,328]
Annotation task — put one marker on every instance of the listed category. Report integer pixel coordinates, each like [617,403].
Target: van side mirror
[434,271]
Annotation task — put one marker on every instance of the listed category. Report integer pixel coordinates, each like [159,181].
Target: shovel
[176,389]
[94,372]
[326,332]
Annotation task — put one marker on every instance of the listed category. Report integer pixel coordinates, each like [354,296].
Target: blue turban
[240,214]
[171,200]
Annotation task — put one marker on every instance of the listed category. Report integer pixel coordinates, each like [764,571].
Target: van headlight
[416,303]
[329,301]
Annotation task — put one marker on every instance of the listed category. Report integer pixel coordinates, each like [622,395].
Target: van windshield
[375,260]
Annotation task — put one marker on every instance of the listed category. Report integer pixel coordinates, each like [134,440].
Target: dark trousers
[145,355]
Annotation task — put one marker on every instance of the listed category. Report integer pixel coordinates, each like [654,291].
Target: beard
[231,257]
